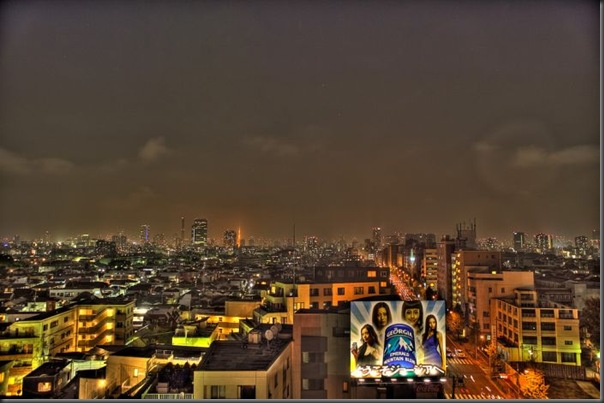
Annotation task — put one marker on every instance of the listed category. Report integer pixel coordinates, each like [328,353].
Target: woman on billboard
[370,352]
[381,318]
[413,314]
[432,343]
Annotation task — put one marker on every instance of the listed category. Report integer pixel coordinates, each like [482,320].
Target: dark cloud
[336,115]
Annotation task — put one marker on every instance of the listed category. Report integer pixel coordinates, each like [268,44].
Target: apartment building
[483,285]
[260,368]
[531,332]
[29,342]
[331,286]
[322,340]
[430,268]
[103,321]
[464,261]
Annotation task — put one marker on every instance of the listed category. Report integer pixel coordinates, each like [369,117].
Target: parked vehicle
[459,353]
[450,353]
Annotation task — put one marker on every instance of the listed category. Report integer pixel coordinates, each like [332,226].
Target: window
[310,357]
[550,356]
[371,273]
[566,327]
[568,342]
[327,292]
[490,289]
[44,386]
[341,290]
[312,384]
[568,357]
[529,326]
[218,392]
[516,323]
[247,392]
[327,304]
[136,372]
[65,319]
[485,314]
[530,340]
[547,313]
[486,326]
[384,274]
[314,292]
[54,323]
[359,290]
[371,289]
[314,305]
[528,313]
[548,341]
[548,326]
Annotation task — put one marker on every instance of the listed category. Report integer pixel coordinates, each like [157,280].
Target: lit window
[44,387]
[136,372]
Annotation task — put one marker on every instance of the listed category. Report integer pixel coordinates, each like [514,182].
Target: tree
[534,386]
[590,320]
[431,294]
[454,323]
[495,356]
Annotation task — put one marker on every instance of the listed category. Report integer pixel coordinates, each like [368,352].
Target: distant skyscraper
[377,238]
[230,238]
[519,240]
[144,235]
[199,232]
[582,242]
[544,242]
[466,236]
[182,229]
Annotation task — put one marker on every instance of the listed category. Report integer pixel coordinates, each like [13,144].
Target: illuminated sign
[397,339]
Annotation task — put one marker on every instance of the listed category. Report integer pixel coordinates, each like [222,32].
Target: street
[474,374]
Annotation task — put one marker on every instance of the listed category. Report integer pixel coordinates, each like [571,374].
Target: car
[450,353]
[459,353]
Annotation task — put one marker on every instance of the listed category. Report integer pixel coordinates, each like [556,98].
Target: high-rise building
[182,230]
[121,241]
[377,238]
[466,236]
[444,249]
[230,238]
[544,242]
[199,232]
[519,241]
[144,234]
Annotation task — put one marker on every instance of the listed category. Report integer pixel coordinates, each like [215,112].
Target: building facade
[530,332]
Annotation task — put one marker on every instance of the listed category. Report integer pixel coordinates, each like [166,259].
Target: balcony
[274,299]
[95,328]
[17,334]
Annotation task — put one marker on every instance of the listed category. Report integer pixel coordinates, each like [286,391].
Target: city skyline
[334,116]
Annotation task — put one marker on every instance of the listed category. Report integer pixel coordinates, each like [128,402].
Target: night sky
[336,115]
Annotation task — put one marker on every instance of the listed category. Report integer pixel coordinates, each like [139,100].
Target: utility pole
[453,389]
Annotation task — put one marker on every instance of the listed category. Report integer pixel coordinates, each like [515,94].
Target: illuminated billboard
[397,339]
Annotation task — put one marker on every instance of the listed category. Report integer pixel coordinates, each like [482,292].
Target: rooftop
[49,368]
[235,356]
